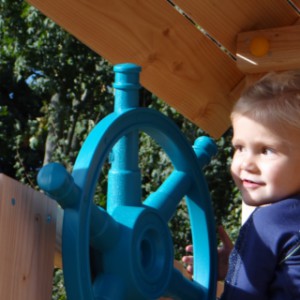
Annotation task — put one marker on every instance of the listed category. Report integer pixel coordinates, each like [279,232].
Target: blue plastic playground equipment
[126,252]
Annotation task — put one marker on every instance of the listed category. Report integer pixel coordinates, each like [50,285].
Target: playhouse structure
[195,55]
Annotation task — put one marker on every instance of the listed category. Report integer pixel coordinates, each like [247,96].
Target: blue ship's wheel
[126,251]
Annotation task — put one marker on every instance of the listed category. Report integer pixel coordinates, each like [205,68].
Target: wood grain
[180,65]
[223,20]
[296,3]
[27,242]
[283,53]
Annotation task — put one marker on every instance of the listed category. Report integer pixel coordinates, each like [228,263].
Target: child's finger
[189,248]
[224,237]
[188,259]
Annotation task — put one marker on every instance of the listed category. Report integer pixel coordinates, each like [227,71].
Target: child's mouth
[250,184]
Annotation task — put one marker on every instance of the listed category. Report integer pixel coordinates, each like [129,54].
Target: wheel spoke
[169,194]
[104,230]
[124,177]
[107,286]
[182,288]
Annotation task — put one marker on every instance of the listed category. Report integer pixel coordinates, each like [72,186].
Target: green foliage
[53,90]
[58,286]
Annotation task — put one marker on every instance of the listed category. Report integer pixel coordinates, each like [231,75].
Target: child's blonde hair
[274,98]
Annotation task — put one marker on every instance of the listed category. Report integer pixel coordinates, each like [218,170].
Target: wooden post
[27,242]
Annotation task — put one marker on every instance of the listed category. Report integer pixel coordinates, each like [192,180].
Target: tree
[57,86]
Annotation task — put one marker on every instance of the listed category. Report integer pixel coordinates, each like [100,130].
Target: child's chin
[251,201]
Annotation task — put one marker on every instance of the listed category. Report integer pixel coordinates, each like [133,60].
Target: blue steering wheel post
[124,174]
[126,252]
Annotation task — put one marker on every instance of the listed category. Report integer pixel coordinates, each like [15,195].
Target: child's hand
[189,259]
[223,253]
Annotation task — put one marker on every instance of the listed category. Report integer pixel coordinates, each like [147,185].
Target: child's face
[266,164]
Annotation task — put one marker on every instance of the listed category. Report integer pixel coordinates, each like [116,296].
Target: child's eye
[238,148]
[268,151]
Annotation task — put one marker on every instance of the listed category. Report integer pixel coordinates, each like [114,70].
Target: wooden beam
[27,242]
[267,50]
[224,19]
[296,3]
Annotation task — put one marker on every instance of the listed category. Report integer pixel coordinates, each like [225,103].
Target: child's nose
[248,163]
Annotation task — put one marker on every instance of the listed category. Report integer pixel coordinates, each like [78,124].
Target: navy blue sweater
[265,262]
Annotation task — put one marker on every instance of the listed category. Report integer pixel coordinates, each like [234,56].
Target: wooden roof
[187,48]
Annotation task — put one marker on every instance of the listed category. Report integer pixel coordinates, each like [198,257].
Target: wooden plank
[223,20]
[273,49]
[27,242]
[180,65]
[58,239]
[296,3]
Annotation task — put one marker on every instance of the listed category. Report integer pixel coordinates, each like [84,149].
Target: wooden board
[27,242]
[296,3]
[180,64]
[282,47]
[223,20]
